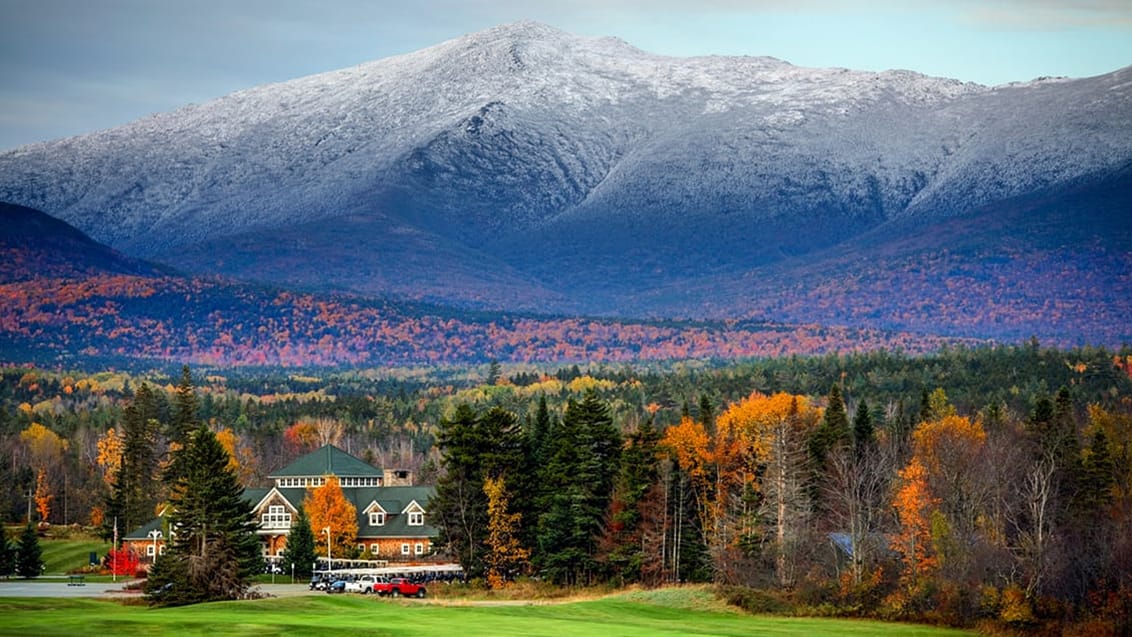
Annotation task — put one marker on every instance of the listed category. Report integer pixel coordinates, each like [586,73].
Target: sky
[69,67]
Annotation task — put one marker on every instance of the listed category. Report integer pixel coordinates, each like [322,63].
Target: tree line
[936,515]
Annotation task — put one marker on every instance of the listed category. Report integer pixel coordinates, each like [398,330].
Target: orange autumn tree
[43,495]
[941,497]
[328,508]
[914,504]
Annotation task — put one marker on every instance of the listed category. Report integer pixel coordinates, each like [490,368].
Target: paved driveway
[22,588]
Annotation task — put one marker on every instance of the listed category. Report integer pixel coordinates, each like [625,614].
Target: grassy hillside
[627,615]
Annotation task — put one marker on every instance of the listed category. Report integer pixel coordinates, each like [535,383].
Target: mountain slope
[522,167]
[93,307]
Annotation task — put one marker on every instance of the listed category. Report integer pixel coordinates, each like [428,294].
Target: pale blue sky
[73,66]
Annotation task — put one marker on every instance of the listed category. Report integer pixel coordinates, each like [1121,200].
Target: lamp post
[329,561]
[153,535]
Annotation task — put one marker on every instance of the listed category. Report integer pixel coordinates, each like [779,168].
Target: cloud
[1049,15]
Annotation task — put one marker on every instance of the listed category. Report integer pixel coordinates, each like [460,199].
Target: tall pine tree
[135,491]
[580,475]
[215,550]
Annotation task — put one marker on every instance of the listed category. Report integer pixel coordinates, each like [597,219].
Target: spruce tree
[183,422]
[862,429]
[300,550]
[215,551]
[833,430]
[460,506]
[29,557]
[7,554]
[580,476]
[135,491]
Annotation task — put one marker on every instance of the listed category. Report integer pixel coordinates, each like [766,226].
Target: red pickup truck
[399,586]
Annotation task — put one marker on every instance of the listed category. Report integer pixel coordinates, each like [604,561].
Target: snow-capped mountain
[525,167]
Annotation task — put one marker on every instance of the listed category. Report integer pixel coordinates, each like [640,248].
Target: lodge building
[392,513]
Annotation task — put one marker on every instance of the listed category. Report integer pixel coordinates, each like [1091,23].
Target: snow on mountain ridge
[526,127]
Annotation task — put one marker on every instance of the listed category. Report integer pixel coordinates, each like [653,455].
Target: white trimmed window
[377,518]
[374,548]
[418,548]
[416,518]
[149,550]
[404,549]
[161,550]
[276,518]
[361,548]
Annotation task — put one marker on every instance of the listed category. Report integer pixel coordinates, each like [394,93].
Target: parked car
[367,584]
[402,586]
[337,586]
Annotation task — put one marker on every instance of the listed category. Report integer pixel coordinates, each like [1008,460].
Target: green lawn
[60,556]
[349,615]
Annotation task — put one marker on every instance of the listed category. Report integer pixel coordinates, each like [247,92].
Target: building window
[149,550]
[416,518]
[404,549]
[361,548]
[377,518]
[276,518]
[374,548]
[418,548]
[161,550]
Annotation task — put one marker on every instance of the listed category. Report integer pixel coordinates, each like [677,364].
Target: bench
[76,580]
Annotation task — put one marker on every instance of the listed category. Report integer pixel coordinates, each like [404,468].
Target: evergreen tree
[300,546]
[707,414]
[833,430]
[460,506]
[29,556]
[863,437]
[215,552]
[639,474]
[7,554]
[183,422]
[493,372]
[580,476]
[1094,494]
[135,491]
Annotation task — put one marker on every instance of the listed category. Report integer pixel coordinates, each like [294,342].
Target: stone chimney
[397,478]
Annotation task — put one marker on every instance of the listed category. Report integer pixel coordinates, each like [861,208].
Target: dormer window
[377,518]
[276,517]
[416,518]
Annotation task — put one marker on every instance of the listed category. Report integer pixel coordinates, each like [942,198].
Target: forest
[989,484]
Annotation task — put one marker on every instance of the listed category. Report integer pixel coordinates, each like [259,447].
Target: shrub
[754,600]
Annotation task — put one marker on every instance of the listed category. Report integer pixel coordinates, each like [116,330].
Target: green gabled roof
[327,460]
[142,532]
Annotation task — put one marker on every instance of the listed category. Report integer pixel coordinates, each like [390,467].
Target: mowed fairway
[355,615]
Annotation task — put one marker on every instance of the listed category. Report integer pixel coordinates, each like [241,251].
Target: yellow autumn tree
[240,459]
[505,555]
[44,446]
[771,432]
[109,457]
[757,434]
[330,511]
